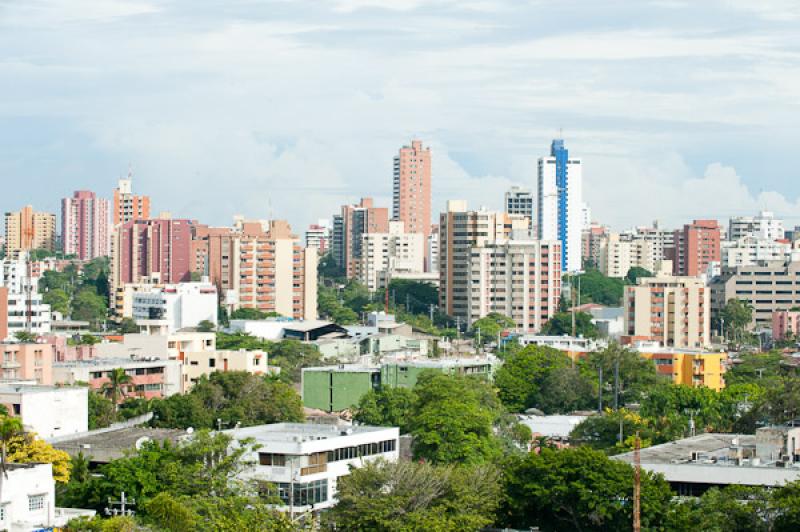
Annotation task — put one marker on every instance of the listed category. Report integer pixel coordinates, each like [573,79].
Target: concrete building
[696,246]
[675,311]
[27,361]
[23,312]
[411,198]
[28,500]
[156,251]
[150,377]
[767,286]
[690,367]
[318,236]
[28,229]
[281,328]
[49,411]
[84,226]
[197,364]
[162,346]
[663,240]
[695,464]
[127,205]
[460,230]
[750,249]
[763,226]
[432,252]
[337,388]
[591,239]
[306,461]
[170,308]
[349,228]
[785,324]
[263,266]
[516,278]
[519,201]
[619,253]
[574,347]
[383,254]
[560,202]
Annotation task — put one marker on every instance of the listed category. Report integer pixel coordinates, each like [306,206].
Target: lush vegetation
[291,356]
[78,293]
[561,324]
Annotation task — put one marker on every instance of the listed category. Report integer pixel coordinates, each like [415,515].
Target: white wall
[50,411]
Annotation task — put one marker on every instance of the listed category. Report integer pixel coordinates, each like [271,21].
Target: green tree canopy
[388,407]
[561,324]
[636,374]
[597,288]
[520,378]
[87,305]
[58,300]
[636,273]
[419,295]
[491,325]
[738,316]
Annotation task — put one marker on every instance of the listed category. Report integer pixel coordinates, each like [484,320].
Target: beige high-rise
[412,188]
[26,230]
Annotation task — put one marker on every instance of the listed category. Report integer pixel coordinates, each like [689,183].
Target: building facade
[560,203]
[674,311]
[383,254]
[199,363]
[411,198]
[127,205]
[150,377]
[519,279]
[21,303]
[318,236]
[751,249]
[696,246]
[619,253]
[49,411]
[763,226]
[84,225]
[785,324]
[28,229]
[519,200]
[27,361]
[170,308]
[349,228]
[687,367]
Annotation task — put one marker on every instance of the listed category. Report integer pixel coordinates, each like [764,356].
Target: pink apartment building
[85,226]
[785,323]
[150,377]
[412,188]
[32,361]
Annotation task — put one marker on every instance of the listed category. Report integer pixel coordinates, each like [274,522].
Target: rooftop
[680,451]
[34,388]
[103,445]
[113,362]
[294,432]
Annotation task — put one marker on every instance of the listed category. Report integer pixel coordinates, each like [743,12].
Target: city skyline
[678,110]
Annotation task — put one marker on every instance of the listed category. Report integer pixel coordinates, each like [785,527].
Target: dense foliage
[78,293]
[561,324]
[291,356]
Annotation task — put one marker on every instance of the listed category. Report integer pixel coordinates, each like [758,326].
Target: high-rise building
[128,206]
[157,251]
[459,231]
[764,226]
[390,252]
[697,245]
[318,236]
[84,225]
[519,201]
[520,279]
[559,203]
[412,188]
[262,265]
[27,230]
[432,253]
[348,229]
[21,303]
[675,311]
[620,253]
[592,238]
[663,240]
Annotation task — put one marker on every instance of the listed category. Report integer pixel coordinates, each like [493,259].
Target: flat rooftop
[35,388]
[104,445]
[291,432]
[680,451]
[103,362]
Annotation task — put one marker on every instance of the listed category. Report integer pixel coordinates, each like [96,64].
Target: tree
[756,368]
[579,489]
[248,314]
[26,448]
[565,390]
[561,324]
[636,273]
[206,326]
[101,411]
[128,326]
[491,325]
[117,386]
[738,316]
[389,407]
[519,379]
[601,432]
[24,337]
[58,300]
[597,288]
[419,295]
[636,374]
[10,428]
[453,419]
[417,496]
[87,305]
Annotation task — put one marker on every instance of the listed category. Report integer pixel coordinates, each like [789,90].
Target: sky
[290,108]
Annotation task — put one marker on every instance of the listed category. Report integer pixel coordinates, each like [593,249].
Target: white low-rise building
[49,411]
[28,500]
[169,346]
[195,365]
[304,461]
[167,309]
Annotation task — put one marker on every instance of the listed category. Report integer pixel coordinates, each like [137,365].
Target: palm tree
[10,428]
[117,386]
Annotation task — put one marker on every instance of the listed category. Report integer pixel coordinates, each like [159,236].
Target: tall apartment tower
[348,229]
[128,206]
[695,247]
[27,229]
[84,225]
[412,188]
[559,203]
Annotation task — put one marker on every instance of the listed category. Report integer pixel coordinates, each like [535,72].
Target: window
[212,362]
[35,502]
[271,459]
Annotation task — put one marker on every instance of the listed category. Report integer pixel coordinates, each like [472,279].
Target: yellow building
[689,367]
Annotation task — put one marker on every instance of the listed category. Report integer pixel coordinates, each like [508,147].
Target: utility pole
[572,304]
[458,327]
[430,311]
[600,390]
[637,487]
[479,337]
[123,504]
[407,296]
[616,385]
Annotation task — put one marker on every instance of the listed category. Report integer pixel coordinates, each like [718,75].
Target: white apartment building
[318,236]
[304,461]
[764,226]
[751,249]
[560,204]
[675,311]
[619,253]
[166,346]
[150,376]
[385,253]
[172,307]
[432,253]
[26,311]
[519,200]
[197,364]
[519,279]
[28,500]
[663,240]
[49,411]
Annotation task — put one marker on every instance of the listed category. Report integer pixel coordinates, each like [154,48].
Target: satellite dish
[141,441]
[190,430]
